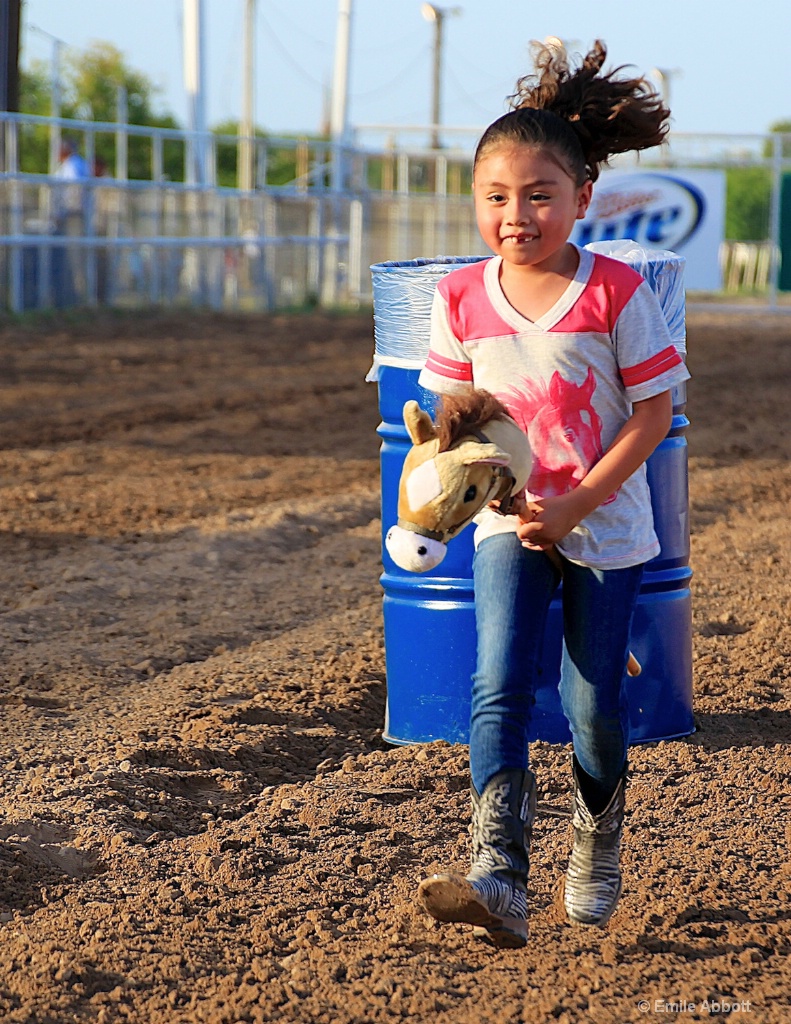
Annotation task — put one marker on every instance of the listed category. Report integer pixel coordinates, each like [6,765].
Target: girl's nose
[517,212]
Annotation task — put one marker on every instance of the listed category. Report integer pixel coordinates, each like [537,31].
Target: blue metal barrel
[429,618]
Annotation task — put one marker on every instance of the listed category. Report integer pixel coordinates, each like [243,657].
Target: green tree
[91,79]
[94,78]
[35,89]
[749,193]
[748,202]
[35,97]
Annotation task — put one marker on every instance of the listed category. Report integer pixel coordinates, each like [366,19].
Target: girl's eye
[496,198]
[539,197]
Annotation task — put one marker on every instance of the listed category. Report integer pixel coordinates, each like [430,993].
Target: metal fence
[193,242]
[131,245]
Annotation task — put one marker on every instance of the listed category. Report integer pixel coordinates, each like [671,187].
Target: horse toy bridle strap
[508,480]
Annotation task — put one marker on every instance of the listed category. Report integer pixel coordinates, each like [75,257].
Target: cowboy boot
[593,878]
[493,896]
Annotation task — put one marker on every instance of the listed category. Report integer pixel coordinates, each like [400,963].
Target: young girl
[577,348]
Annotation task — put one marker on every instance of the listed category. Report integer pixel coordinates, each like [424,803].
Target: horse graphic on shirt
[563,428]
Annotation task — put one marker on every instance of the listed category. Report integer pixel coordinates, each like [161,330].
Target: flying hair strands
[609,113]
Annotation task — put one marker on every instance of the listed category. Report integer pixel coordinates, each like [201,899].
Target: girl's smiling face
[526,205]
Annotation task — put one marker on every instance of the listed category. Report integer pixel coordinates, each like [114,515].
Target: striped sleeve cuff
[452,369]
[657,365]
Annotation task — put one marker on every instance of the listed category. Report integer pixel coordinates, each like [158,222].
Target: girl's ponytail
[606,114]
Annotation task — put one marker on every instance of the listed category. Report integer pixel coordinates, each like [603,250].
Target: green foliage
[91,80]
[35,89]
[282,162]
[35,98]
[94,78]
[228,153]
[748,202]
[781,128]
[281,166]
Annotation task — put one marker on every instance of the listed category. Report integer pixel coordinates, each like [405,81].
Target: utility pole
[339,127]
[437,16]
[194,83]
[247,126]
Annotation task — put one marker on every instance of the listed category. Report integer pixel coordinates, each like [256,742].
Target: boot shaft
[502,822]
[593,878]
[606,825]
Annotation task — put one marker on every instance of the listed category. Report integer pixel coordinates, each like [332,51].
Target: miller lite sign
[676,209]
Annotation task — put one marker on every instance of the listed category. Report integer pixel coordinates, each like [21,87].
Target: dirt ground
[200,820]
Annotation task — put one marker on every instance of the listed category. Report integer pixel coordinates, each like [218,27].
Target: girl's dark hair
[583,115]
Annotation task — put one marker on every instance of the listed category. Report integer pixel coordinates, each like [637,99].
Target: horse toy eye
[470,493]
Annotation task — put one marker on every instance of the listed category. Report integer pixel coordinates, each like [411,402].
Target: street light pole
[559,46]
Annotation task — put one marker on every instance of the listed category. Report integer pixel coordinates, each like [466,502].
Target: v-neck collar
[556,312]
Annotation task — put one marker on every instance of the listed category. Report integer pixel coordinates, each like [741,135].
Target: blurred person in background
[71,213]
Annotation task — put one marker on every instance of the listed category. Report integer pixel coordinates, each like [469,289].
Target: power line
[284,52]
[417,59]
[323,44]
[461,92]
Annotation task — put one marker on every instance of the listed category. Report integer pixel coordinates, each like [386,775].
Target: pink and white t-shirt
[568,379]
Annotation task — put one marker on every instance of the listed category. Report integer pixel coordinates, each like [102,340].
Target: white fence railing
[295,238]
[129,244]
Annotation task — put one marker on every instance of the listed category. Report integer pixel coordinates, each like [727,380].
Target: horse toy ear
[418,423]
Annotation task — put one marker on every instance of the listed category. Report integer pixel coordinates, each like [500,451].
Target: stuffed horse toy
[473,455]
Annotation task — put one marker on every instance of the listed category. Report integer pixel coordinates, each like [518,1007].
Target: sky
[727,64]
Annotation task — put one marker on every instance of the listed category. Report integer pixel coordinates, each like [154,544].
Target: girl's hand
[545,522]
[548,521]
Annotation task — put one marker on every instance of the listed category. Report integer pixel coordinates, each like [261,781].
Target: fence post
[16,283]
[121,134]
[355,249]
[774,216]
[314,255]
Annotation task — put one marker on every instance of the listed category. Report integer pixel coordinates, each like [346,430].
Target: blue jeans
[513,590]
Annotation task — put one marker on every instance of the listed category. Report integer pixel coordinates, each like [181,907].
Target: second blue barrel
[429,618]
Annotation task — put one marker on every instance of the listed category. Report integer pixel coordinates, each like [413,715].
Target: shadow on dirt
[763,727]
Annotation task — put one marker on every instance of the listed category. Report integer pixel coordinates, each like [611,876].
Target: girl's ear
[584,197]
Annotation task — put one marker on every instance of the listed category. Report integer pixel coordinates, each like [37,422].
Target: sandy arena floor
[200,821]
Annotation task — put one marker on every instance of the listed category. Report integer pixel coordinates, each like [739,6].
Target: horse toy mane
[473,454]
